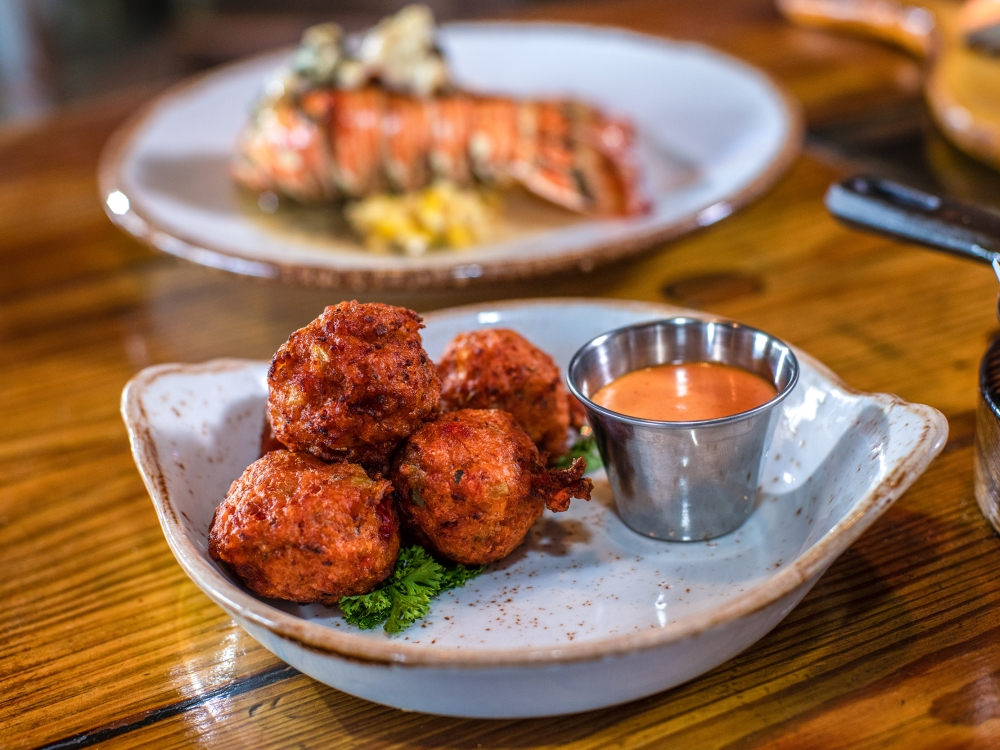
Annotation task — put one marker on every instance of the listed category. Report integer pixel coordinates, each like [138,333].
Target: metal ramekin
[683,481]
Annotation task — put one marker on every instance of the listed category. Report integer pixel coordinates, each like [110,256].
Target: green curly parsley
[405,596]
[586,448]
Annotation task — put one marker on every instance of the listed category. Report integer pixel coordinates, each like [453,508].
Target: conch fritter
[352,384]
[268,441]
[471,484]
[296,528]
[496,368]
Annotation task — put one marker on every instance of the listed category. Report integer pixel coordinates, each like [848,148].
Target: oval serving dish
[586,613]
[714,133]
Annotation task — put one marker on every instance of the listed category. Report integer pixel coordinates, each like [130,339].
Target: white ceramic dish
[715,133]
[586,613]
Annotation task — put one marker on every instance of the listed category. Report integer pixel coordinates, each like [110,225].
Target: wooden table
[104,639]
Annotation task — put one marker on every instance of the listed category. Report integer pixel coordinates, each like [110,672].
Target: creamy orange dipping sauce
[685,393]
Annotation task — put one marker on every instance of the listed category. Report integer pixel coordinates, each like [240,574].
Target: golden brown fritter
[352,384]
[496,368]
[268,441]
[471,484]
[296,528]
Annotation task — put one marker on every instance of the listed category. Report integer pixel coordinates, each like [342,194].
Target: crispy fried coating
[496,368]
[268,442]
[352,384]
[471,485]
[296,528]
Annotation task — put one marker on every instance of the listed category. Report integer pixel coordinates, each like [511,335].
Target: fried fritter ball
[352,384]
[296,528]
[268,442]
[496,368]
[471,485]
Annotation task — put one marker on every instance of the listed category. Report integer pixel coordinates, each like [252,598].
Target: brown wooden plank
[109,593]
[100,628]
[897,643]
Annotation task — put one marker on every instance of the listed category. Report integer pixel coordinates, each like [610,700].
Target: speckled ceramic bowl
[586,613]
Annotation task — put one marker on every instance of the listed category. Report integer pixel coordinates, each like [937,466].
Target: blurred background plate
[713,134]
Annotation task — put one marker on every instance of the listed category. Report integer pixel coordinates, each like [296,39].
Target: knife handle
[903,212]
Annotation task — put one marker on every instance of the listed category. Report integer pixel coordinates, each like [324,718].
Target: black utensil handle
[899,211]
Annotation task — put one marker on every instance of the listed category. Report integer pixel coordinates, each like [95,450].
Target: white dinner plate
[713,134]
[586,613]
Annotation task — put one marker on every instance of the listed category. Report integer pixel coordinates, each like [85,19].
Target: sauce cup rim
[670,425]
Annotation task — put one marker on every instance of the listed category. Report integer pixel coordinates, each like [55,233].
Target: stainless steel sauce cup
[683,481]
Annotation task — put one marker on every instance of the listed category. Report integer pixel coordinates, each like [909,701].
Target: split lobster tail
[343,144]
[284,151]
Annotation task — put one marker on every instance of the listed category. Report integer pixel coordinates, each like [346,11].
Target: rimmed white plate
[586,613]
[714,133]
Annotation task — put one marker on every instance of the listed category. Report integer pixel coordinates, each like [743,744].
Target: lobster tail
[606,165]
[493,139]
[352,143]
[406,134]
[286,152]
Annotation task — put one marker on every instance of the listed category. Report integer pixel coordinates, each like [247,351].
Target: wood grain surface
[962,82]
[103,639]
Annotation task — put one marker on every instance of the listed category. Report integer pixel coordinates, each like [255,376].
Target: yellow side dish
[441,215]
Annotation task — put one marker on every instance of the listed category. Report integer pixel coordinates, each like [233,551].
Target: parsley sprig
[405,596]
[585,447]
